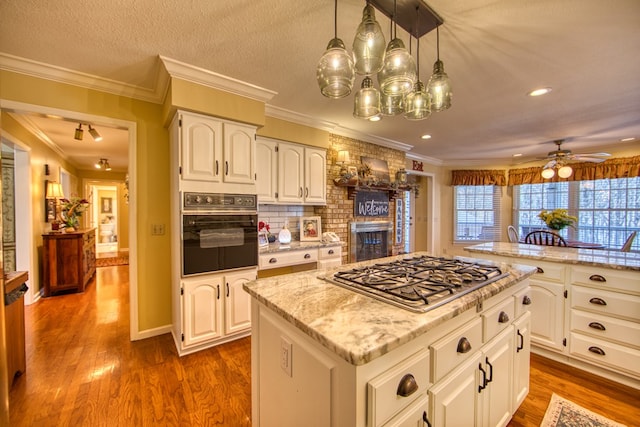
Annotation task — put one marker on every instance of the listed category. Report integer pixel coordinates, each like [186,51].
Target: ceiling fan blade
[588,159]
[593,155]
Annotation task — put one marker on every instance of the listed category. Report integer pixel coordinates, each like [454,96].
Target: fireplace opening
[370,240]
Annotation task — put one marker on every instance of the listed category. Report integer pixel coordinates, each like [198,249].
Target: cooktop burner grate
[419,283]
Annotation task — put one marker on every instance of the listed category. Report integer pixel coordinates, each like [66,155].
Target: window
[477,213]
[608,210]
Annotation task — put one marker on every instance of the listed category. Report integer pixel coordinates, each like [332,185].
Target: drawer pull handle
[526,300]
[216,167]
[464,346]
[227,290]
[597,301]
[597,278]
[521,345]
[539,270]
[407,386]
[331,252]
[226,168]
[273,260]
[598,326]
[307,256]
[483,384]
[596,350]
[503,317]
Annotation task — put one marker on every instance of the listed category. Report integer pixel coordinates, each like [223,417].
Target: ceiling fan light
[565,171]
[369,44]
[439,87]
[367,101]
[335,72]
[548,173]
[398,73]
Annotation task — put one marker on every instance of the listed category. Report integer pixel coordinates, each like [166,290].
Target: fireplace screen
[370,240]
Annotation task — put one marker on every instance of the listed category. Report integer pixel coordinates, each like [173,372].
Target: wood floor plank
[82,370]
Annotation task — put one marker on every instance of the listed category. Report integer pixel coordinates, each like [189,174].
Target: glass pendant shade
[565,172]
[439,87]
[367,101]
[391,105]
[548,173]
[335,73]
[417,103]
[399,71]
[369,44]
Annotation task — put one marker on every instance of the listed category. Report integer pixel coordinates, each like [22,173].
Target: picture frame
[310,228]
[263,238]
[106,205]
[379,168]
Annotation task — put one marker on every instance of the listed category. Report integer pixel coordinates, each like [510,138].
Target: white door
[239,154]
[315,176]
[201,148]
[202,310]
[547,314]
[522,350]
[266,170]
[290,173]
[237,302]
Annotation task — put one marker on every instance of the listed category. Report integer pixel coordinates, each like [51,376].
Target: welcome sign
[371,203]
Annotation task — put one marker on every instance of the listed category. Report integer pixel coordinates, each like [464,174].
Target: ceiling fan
[561,157]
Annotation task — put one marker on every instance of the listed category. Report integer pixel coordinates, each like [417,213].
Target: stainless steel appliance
[219,232]
[419,283]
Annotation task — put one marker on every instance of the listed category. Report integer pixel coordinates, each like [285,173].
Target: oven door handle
[217,222]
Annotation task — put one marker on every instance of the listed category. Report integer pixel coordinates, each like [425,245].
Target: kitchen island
[586,305]
[325,355]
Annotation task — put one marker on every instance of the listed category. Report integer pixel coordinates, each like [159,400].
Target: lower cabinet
[215,309]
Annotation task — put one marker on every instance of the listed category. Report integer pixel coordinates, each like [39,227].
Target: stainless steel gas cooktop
[419,283]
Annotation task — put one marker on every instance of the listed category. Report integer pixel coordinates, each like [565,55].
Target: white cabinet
[521,365]
[215,309]
[330,256]
[290,173]
[214,155]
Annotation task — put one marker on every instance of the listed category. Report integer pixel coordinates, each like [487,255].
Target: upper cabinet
[214,155]
[290,173]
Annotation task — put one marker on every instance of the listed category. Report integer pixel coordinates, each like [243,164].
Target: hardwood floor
[82,370]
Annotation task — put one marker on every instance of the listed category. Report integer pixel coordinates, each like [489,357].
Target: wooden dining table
[578,244]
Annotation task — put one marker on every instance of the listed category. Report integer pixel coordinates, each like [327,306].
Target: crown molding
[76,78]
[31,127]
[208,78]
[350,133]
[298,118]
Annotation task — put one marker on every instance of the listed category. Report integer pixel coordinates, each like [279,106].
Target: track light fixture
[103,164]
[94,133]
[78,134]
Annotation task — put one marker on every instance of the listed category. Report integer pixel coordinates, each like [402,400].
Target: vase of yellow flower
[557,219]
[70,212]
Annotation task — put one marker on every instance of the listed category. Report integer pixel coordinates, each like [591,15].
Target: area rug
[564,413]
[111,261]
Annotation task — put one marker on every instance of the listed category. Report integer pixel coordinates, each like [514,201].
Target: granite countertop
[594,257]
[294,246]
[356,327]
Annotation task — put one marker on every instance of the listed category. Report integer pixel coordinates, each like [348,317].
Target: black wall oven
[219,232]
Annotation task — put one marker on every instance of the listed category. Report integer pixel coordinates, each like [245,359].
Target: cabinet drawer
[606,302]
[455,348]
[496,319]
[287,258]
[523,301]
[612,355]
[605,278]
[549,272]
[383,398]
[330,252]
[606,327]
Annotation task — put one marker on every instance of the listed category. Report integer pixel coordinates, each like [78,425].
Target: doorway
[104,217]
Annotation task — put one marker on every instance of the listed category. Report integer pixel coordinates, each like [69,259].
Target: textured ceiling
[494,51]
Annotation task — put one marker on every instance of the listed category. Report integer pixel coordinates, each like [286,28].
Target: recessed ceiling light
[627,139]
[540,91]
[426,136]
[517,155]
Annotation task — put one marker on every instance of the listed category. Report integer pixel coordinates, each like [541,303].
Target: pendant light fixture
[391,105]
[369,44]
[439,86]
[367,101]
[418,101]
[398,74]
[335,72]
[78,133]
[103,164]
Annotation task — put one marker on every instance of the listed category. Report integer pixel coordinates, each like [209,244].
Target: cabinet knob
[503,317]
[526,300]
[273,260]
[539,270]
[597,278]
[598,326]
[331,252]
[307,256]
[597,301]
[596,350]
[407,386]
[464,346]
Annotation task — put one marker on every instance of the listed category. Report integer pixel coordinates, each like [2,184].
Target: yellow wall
[152,180]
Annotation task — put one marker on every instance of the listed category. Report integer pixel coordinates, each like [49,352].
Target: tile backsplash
[279,215]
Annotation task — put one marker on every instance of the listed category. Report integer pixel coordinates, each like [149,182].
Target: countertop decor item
[284,236]
[557,219]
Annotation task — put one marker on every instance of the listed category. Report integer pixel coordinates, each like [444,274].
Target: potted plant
[70,212]
[557,219]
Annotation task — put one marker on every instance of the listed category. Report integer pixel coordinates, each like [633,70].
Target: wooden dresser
[69,260]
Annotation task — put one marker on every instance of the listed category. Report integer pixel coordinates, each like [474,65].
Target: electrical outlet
[157,229]
[285,355]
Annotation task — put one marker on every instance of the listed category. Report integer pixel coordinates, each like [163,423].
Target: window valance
[624,167]
[478,177]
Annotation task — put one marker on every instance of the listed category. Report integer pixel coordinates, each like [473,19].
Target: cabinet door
[202,310]
[237,302]
[547,314]
[290,173]
[522,350]
[450,398]
[201,148]
[496,397]
[239,154]
[266,170]
[315,176]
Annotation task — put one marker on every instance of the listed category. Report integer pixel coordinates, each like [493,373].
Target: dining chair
[626,247]
[513,234]
[546,238]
